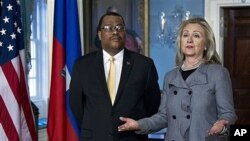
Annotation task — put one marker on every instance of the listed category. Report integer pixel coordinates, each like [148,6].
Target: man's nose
[114,31]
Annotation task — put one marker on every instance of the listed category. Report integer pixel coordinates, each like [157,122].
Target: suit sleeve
[153,93]
[76,94]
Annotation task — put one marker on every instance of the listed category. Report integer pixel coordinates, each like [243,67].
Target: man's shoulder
[140,57]
[87,57]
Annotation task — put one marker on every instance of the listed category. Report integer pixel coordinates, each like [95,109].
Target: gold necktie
[111,80]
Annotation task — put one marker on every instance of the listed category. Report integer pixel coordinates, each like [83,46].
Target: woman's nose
[189,39]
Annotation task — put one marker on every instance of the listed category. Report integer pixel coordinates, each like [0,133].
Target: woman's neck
[189,64]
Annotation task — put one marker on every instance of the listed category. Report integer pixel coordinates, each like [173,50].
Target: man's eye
[107,28]
[119,27]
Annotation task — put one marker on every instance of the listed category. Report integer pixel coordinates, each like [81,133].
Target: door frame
[214,16]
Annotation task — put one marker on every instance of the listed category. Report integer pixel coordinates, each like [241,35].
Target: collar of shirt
[118,57]
[118,63]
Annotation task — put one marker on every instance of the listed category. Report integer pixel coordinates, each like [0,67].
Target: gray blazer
[189,108]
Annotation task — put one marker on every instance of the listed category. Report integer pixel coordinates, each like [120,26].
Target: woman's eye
[197,36]
[184,35]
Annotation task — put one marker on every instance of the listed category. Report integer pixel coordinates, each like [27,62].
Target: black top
[186,73]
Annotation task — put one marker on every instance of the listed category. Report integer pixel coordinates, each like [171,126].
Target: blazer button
[175,92]
[188,116]
[190,92]
[174,117]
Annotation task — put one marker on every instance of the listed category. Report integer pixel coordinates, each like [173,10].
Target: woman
[197,100]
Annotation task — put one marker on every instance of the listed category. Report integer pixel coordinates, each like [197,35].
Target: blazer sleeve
[152,94]
[76,94]
[159,120]
[224,96]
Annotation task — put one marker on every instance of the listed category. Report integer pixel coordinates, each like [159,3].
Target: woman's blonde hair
[210,56]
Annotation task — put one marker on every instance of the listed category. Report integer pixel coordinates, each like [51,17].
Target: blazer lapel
[177,79]
[199,77]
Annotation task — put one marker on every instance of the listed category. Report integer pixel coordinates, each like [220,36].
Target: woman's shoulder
[215,70]
[172,73]
[215,67]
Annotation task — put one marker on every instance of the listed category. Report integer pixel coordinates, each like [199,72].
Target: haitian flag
[66,49]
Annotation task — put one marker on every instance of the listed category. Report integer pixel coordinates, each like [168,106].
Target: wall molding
[214,16]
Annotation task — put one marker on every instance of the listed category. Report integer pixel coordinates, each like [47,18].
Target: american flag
[16,116]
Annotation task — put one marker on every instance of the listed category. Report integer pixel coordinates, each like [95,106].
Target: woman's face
[193,41]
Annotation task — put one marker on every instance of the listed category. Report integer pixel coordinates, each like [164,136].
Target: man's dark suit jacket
[138,96]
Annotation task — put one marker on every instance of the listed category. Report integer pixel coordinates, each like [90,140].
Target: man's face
[112,34]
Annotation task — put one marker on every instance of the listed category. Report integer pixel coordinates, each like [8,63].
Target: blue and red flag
[66,49]
[16,117]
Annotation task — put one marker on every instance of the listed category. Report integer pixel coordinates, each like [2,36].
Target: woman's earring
[205,49]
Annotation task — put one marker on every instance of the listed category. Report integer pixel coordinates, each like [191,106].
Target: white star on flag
[13,36]
[9,7]
[6,19]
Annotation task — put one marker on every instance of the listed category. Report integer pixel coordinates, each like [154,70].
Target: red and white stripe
[16,117]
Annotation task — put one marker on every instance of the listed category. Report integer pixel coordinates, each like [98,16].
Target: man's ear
[99,35]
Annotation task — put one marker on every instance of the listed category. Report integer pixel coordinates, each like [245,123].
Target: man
[134,92]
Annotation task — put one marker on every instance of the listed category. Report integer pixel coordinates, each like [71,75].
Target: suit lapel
[100,74]
[128,62]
